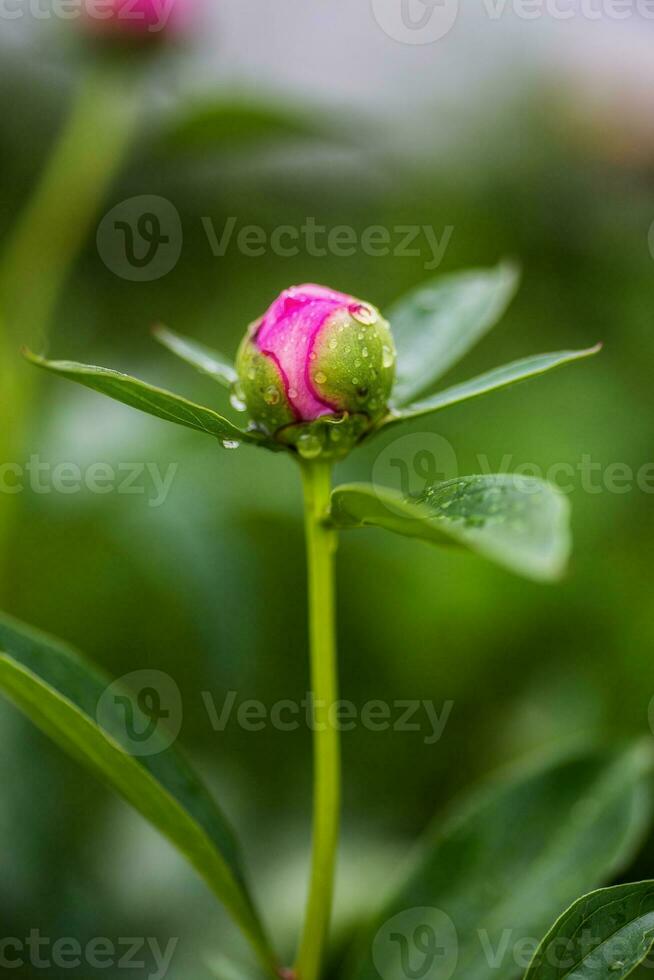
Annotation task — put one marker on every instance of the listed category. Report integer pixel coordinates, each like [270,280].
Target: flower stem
[40,252]
[321,545]
[49,234]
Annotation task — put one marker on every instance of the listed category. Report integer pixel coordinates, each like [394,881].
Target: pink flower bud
[317,356]
[137,19]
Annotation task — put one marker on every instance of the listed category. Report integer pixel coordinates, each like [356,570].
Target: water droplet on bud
[309,445]
[320,378]
[388,358]
[271,395]
[364,314]
[237,397]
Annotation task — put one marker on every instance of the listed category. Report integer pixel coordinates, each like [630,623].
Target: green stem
[39,254]
[51,231]
[321,545]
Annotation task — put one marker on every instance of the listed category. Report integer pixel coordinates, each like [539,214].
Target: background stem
[51,231]
[321,545]
[40,252]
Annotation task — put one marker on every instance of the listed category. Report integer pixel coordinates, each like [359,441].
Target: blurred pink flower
[138,19]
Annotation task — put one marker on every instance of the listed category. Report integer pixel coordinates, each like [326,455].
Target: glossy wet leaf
[502,377]
[602,936]
[487,881]
[147,398]
[519,522]
[437,323]
[103,726]
[203,358]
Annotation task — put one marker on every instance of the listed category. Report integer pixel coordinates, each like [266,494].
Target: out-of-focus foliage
[209,587]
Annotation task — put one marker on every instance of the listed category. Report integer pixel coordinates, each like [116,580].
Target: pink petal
[288,333]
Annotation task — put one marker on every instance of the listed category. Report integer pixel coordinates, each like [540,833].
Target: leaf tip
[512,270]
[30,356]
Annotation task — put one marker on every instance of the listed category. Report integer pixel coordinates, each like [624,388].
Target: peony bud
[137,20]
[316,371]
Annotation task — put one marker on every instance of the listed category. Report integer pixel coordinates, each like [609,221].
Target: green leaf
[491,878]
[517,521]
[212,125]
[501,377]
[147,398]
[437,323]
[68,698]
[203,358]
[602,936]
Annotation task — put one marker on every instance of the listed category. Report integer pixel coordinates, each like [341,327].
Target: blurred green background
[210,586]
